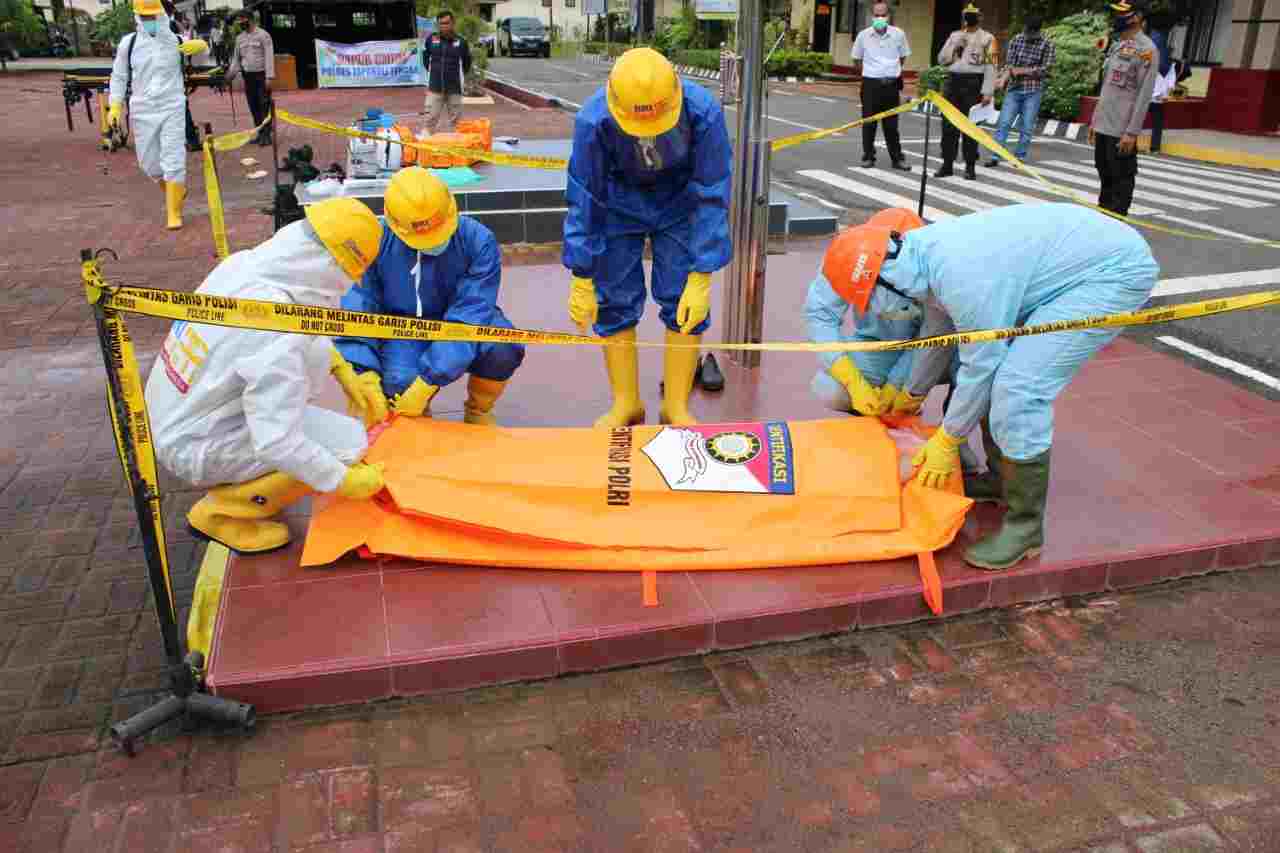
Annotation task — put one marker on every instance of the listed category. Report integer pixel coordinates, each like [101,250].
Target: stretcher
[645,499]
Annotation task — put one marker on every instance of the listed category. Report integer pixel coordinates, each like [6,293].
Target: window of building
[363,19]
[846,16]
[1207,36]
[324,19]
[569,4]
[283,22]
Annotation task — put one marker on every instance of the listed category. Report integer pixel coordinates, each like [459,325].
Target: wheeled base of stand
[186,701]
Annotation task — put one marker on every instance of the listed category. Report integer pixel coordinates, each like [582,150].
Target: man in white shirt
[878,52]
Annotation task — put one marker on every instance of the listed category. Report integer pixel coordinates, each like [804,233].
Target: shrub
[1077,64]
[931,80]
[114,24]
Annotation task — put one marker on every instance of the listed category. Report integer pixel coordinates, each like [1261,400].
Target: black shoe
[902,165]
[945,171]
[709,375]
[993,162]
[970,173]
[868,162]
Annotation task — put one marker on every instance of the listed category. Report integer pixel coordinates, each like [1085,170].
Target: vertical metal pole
[749,208]
[924,166]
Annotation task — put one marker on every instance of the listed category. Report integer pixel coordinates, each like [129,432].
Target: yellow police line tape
[968,128]
[213,190]
[121,353]
[315,320]
[810,136]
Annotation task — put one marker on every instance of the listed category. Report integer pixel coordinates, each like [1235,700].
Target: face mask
[436,251]
[881,24]
[970,20]
[151,27]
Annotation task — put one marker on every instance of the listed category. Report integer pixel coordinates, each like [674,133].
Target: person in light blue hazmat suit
[650,160]
[868,383]
[1020,265]
[436,265]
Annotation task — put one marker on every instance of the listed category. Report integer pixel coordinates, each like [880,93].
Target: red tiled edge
[579,652]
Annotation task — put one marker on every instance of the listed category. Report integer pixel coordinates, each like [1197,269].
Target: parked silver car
[523,35]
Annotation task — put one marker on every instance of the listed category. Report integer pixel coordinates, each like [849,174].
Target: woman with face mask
[148,72]
[969,55]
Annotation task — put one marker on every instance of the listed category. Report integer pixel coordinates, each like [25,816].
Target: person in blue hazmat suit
[148,72]
[1020,265]
[436,265]
[650,161]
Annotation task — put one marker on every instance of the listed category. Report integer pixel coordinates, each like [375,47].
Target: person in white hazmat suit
[229,406]
[148,72]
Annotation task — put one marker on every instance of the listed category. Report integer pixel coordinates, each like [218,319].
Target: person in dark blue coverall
[651,160]
[436,265]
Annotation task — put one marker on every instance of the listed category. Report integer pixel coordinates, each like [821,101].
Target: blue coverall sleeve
[824,311]
[972,308]
[363,353]
[901,372]
[474,304]
[586,195]
[710,186]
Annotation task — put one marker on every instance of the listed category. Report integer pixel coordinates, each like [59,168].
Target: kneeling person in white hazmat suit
[148,73]
[229,406]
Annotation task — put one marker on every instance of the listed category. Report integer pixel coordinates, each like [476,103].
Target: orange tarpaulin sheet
[541,498]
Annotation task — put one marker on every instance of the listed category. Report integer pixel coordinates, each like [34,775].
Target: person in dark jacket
[447,59]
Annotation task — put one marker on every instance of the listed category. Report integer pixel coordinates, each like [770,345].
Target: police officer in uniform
[970,58]
[1128,82]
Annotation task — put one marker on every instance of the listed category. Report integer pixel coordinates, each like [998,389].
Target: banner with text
[370,63]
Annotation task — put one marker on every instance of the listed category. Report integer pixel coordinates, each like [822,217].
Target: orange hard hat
[853,260]
[897,219]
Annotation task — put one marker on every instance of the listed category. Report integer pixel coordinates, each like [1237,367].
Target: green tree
[114,24]
[19,22]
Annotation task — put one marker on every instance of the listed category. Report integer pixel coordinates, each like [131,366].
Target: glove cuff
[700,279]
[949,439]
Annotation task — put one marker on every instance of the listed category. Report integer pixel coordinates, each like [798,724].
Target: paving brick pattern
[1142,722]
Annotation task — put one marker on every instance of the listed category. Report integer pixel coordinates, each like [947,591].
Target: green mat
[458,176]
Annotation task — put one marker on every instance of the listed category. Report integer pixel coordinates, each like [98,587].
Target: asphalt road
[1240,205]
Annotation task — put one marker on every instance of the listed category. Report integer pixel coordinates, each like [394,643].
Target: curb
[1048,127]
[1220,156]
[702,73]
[523,96]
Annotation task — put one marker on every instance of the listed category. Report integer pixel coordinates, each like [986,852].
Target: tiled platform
[1160,471]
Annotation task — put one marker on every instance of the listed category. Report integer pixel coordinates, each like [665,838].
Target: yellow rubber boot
[481,395]
[624,378]
[677,378]
[235,515]
[174,195]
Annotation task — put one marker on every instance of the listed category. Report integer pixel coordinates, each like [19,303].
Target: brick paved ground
[1146,722]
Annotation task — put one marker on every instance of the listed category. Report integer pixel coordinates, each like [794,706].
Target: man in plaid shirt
[1030,55]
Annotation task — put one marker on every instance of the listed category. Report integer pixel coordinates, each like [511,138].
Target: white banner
[716,10]
[369,63]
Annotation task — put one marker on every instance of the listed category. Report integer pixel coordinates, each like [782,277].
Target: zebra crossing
[1180,193]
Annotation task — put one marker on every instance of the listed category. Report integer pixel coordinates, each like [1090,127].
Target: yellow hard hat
[148,7]
[644,93]
[349,230]
[420,209]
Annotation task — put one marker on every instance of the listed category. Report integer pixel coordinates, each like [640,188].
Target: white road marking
[1227,364]
[1242,184]
[570,70]
[824,100]
[883,196]
[786,121]
[1091,182]
[1148,181]
[1051,127]
[820,200]
[1073,130]
[1226,174]
[901,179]
[1191,223]
[1220,281]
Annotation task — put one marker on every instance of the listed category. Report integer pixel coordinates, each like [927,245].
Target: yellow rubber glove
[363,480]
[583,307]
[192,47]
[695,301]
[365,399]
[115,115]
[938,459]
[414,400]
[905,404]
[864,397]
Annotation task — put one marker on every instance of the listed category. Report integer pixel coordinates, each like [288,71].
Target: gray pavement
[1229,210]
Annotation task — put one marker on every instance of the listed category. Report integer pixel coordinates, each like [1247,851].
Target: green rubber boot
[987,487]
[1026,490]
